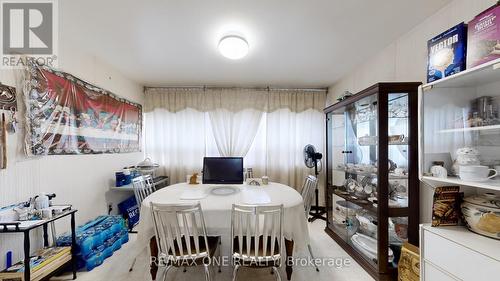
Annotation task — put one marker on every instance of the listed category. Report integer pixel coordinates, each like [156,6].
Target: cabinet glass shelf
[391,143]
[469,129]
[370,174]
[493,184]
[364,203]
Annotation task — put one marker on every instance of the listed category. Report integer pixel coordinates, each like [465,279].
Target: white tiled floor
[116,267]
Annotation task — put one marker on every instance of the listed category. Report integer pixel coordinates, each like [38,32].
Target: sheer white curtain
[175,133]
[295,119]
[176,141]
[236,119]
[268,127]
[234,132]
[287,134]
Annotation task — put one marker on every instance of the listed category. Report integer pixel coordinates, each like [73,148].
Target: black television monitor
[223,170]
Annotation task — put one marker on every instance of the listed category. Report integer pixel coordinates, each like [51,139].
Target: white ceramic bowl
[347,209]
[338,218]
[482,214]
[368,246]
[367,226]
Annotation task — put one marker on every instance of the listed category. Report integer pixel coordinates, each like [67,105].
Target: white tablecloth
[217,211]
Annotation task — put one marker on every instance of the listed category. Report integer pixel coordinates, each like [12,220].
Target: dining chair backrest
[143,187]
[257,231]
[310,185]
[180,231]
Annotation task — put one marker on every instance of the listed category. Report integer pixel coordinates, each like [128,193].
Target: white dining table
[217,212]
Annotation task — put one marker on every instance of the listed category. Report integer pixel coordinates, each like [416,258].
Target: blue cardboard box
[130,209]
[447,53]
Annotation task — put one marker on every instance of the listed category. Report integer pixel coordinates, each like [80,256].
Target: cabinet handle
[346,151]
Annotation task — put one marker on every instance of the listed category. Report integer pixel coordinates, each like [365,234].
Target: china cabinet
[372,174]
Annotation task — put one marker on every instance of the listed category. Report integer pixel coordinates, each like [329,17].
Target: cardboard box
[447,53]
[409,263]
[484,37]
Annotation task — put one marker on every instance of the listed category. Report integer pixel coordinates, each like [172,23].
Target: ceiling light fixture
[233,47]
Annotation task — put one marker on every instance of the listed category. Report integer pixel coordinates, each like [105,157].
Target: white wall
[406,60]
[78,180]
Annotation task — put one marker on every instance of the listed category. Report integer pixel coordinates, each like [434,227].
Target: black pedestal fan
[312,159]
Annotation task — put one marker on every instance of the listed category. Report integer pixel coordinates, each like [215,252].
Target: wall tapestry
[66,115]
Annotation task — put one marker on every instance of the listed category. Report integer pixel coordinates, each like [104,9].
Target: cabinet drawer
[462,262]
[432,273]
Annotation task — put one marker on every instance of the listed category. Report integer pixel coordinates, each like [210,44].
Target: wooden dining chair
[181,237]
[256,237]
[308,188]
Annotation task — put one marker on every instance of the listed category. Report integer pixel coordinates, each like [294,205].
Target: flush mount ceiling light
[233,47]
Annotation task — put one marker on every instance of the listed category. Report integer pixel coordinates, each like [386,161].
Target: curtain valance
[296,100]
[233,99]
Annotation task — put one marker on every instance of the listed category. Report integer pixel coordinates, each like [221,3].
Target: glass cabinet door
[398,150]
[398,134]
[353,154]
[336,136]
[361,180]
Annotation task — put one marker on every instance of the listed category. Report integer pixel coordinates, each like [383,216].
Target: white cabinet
[459,120]
[455,253]
[432,272]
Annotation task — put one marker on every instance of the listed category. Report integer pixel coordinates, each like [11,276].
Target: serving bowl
[367,225]
[482,214]
[368,246]
[397,231]
[347,209]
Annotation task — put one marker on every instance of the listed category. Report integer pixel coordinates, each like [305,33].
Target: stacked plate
[368,246]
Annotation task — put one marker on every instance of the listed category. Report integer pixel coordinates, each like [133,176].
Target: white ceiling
[292,43]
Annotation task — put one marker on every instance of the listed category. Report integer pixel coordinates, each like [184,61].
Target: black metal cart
[15,227]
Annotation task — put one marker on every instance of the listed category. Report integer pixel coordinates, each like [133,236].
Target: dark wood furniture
[14,227]
[376,125]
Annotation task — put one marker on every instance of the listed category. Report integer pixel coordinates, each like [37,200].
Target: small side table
[15,227]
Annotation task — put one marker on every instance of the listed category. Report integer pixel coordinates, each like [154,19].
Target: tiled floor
[116,267]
